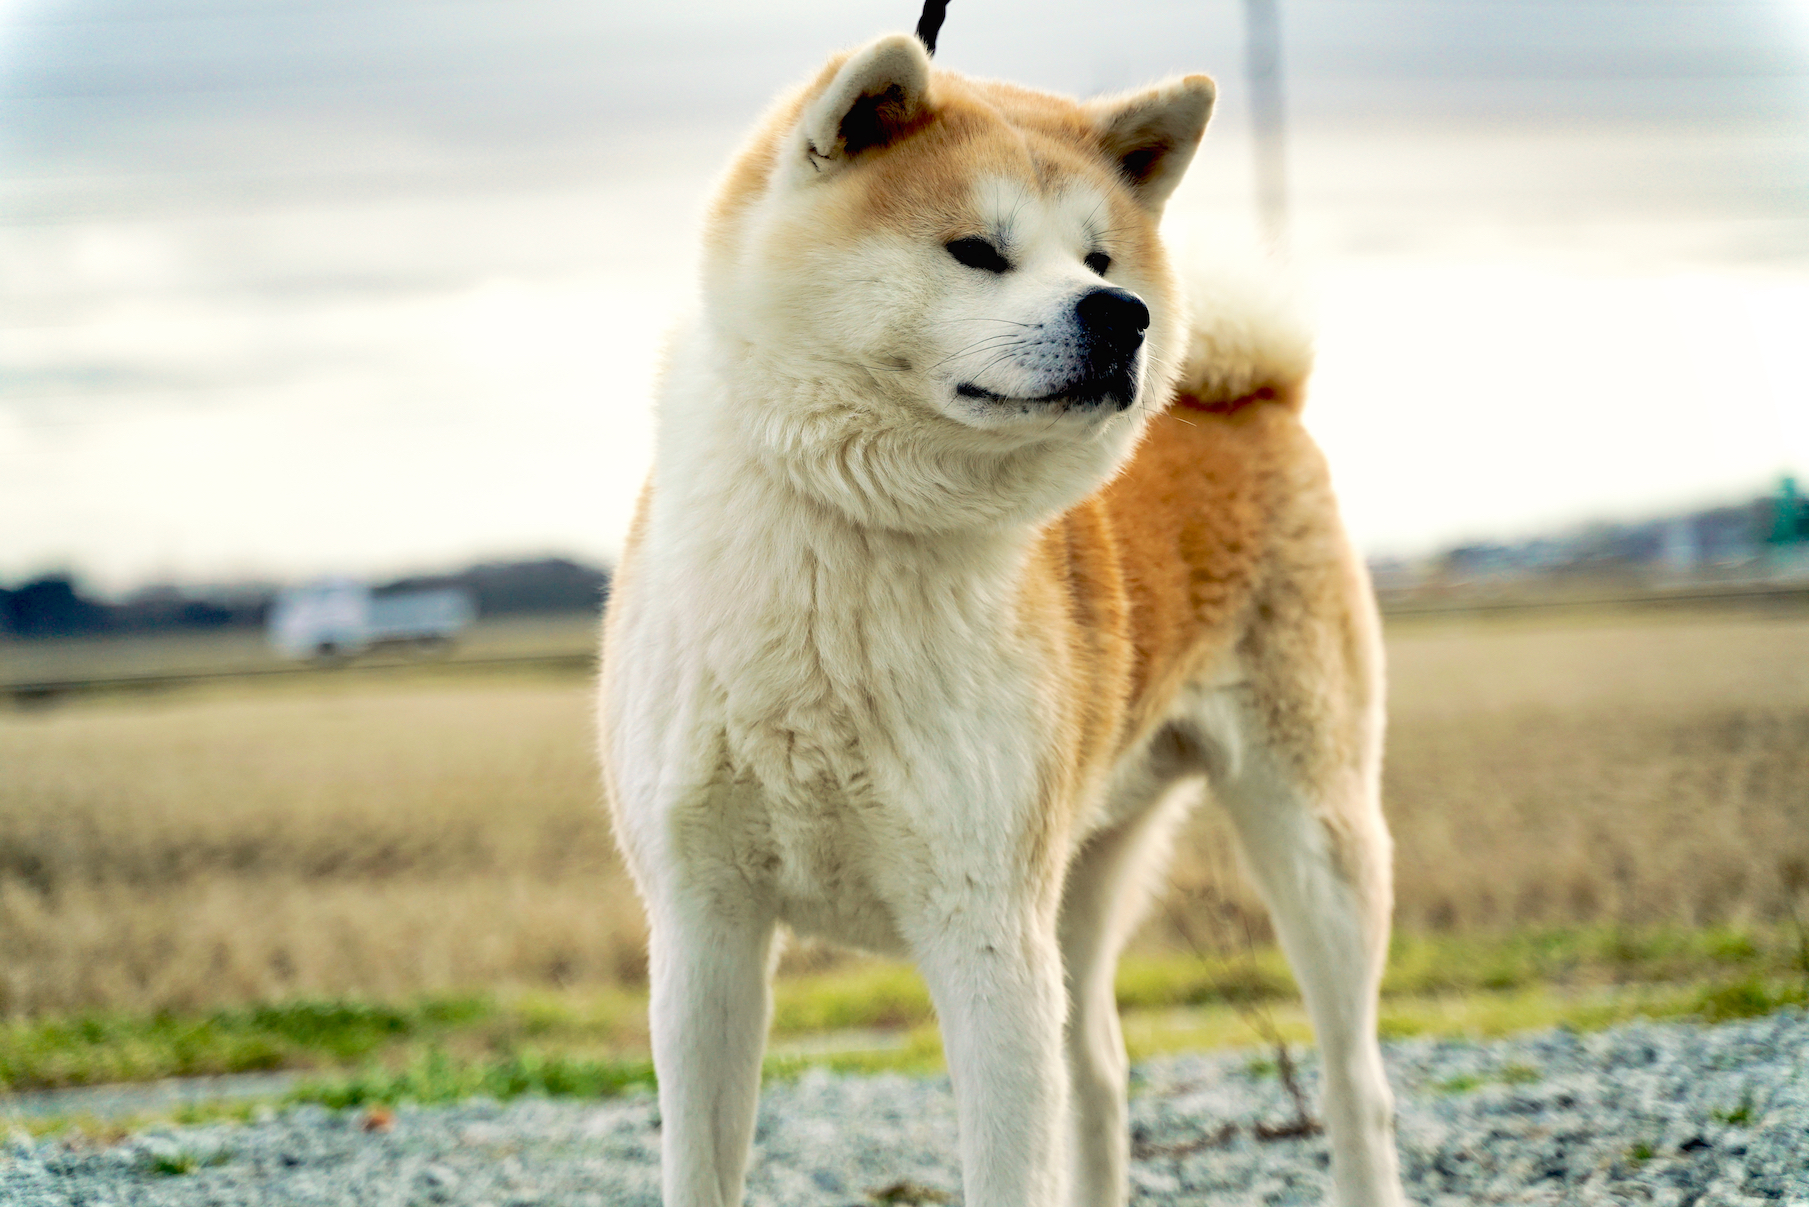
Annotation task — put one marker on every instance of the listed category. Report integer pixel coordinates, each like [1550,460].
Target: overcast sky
[373,285]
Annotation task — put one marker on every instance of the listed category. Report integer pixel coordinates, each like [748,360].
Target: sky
[292,287]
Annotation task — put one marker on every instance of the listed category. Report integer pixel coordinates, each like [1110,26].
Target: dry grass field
[1650,771]
[391,836]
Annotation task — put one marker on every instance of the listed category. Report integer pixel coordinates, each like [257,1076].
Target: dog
[966,563]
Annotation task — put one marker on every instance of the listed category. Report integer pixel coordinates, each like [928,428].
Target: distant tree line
[1715,535]
[55,606]
[518,588]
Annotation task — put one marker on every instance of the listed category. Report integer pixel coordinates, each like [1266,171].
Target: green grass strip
[591,1042]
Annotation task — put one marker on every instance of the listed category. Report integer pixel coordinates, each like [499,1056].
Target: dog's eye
[978,253]
[1098,261]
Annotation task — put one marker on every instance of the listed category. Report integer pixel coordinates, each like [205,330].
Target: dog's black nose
[1114,319]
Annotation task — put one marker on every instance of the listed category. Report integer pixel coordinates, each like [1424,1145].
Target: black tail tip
[930,23]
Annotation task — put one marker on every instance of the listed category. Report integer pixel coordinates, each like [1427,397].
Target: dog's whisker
[985,345]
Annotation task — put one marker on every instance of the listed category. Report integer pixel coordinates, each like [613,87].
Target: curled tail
[1248,340]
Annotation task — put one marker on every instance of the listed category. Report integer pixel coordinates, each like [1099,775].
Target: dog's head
[956,284]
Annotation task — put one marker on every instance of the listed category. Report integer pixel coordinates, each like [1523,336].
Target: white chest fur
[833,704]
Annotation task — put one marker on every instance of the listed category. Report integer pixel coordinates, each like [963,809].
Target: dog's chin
[1087,402]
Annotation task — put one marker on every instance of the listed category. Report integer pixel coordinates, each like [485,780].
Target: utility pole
[1262,56]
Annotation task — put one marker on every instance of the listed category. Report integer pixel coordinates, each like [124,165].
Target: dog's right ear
[875,96]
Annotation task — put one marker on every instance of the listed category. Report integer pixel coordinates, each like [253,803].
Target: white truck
[341,617]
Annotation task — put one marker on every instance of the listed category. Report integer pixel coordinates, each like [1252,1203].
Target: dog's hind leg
[1330,905]
[711,1001]
[1304,794]
[1107,889]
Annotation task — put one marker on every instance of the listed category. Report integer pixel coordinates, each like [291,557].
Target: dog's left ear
[876,95]
[1152,135]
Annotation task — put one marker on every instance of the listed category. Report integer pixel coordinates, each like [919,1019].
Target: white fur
[817,708]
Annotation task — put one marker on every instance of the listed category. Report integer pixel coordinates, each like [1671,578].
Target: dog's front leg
[996,978]
[711,1002]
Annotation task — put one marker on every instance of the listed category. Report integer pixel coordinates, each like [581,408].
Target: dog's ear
[875,96]
[1152,135]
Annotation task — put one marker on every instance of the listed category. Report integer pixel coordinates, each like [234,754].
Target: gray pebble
[1664,1114]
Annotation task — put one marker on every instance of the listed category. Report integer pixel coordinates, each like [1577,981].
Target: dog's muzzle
[1108,326]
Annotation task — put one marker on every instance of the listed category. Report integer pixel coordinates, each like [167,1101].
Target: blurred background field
[376,291]
[1580,802]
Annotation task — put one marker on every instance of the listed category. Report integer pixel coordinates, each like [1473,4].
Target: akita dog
[965,562]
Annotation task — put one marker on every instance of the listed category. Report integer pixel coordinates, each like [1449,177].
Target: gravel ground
[1647,1113]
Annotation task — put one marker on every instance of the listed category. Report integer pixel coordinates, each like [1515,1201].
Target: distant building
[1681,551]
[337,618]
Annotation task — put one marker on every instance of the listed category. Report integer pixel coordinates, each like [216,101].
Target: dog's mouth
[1118,391]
